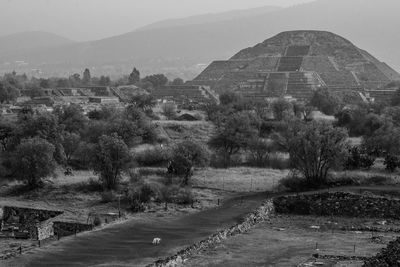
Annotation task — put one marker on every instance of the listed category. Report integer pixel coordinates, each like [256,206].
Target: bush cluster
[359,159]
[153,157]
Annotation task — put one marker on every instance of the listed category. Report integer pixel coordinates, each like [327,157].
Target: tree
[157,80]
[260,150]
[8,92]
[358,121]
[177,81]
[44,125]
[104,113]
[44,83]
[33,160]
[393,113]
[104,81]
[143,102]
[233,135]
[228,98]
[384,141]
[75,79]
[6,134]
[169,110]
[62,82]
[70,143]
[127,130]
[326,102]
[134,77]
[396,98]
[185,156]
[86,79]
[111,158]
[315,148]
[282,109]
[71,117]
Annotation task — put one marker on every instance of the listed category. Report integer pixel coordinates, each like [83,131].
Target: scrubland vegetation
[132,159]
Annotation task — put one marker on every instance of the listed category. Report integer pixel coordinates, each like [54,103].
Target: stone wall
[44,230]
[261,214]
[339,204]
[70,228]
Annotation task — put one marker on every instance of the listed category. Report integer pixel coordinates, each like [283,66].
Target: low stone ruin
[30,223]
[339,204]
[37,224]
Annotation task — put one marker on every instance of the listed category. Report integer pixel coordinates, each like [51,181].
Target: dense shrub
[326,101]
[96,220]
[294,182]
[391,162]
[269,127]
[92,185]
[184,196]
[153,157]
[152,171]
[177,194]
[357,179]
[143,193]
[278,162]
[359,159]
[107,196]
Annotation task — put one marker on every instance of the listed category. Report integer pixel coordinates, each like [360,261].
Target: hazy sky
[83,20]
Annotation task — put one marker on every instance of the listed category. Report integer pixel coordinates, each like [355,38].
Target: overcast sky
[83,20]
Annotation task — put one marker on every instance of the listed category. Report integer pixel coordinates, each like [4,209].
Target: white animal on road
[156,241]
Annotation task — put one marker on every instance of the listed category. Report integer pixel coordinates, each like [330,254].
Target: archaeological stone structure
[295,64]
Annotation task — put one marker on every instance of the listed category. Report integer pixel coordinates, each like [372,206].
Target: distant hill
[211,18]
[369,24]
[30,41]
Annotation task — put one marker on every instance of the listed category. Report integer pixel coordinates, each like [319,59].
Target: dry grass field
[176,131]
[291,241]
[241,179]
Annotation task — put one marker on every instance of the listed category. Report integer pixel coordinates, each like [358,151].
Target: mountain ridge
[210,17]
[31,40]
[159,50]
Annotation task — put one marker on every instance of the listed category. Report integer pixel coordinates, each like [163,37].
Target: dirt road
[129,244]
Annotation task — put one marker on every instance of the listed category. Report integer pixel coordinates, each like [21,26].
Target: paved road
[129,244]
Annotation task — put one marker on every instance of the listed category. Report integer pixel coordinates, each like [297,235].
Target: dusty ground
[290,241]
